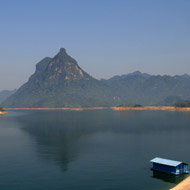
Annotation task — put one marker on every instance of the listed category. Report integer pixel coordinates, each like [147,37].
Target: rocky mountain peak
[62,50]
[58,70]
[64,57]
[58,82]
[62,53]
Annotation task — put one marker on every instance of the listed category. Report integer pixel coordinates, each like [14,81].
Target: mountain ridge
[61,82]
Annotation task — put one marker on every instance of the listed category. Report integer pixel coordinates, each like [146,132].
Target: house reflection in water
[168,178]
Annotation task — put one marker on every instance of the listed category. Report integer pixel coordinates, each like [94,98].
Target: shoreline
[151,108]
[3,112]
[162,108]
[183,185]
[72,109]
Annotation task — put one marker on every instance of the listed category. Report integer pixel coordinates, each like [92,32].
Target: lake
[90,150]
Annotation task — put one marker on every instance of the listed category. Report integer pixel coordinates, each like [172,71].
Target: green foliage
[170,101]
[149,90]
[1,109]
[130,105]
[137,105]
[183,104]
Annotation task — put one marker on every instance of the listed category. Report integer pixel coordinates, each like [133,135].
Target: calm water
[90,150]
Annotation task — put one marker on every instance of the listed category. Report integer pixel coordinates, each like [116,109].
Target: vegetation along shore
[164,108]
[122,108]
[2,111]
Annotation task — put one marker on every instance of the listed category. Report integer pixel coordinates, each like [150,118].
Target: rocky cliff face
[60,70]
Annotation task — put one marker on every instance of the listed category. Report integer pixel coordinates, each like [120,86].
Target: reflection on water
[57,134]
[97,150]
[168,177]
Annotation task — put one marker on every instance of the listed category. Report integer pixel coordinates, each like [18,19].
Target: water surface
[94,149]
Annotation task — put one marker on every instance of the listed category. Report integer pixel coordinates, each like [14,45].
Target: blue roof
[166,162]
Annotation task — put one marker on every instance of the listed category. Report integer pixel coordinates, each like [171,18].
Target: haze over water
[98,149]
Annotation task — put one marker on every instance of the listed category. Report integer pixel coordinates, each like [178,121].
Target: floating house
[169,166]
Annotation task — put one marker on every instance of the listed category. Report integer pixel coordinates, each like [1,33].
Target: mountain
[124,77]
[60,82]
[170,101]
[145,89]
[5,94]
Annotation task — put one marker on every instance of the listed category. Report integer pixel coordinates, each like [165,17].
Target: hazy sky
[106,37]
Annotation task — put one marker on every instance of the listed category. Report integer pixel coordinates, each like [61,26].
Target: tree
[1,109]
[183,104]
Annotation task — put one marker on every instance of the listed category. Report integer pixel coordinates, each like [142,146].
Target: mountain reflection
[57,133]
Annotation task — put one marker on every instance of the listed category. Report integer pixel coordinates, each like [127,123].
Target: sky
[106,37]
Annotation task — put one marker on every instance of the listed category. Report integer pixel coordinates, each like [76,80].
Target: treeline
[183,104]
[1,109]
[130,105]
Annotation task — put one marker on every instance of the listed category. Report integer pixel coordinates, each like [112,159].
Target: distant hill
[126,76]
[60,82]
[145,89]
[5,94]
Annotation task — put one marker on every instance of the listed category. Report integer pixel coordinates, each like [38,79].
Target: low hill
[145,89]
